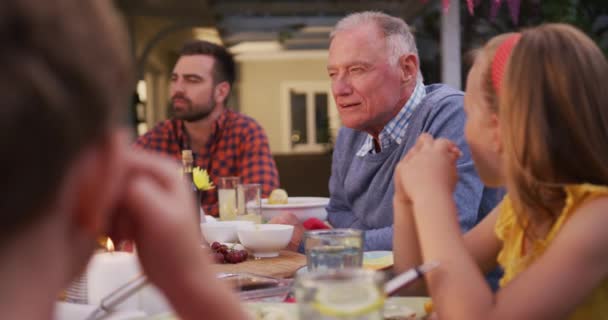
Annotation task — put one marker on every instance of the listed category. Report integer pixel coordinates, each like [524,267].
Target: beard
[192,112]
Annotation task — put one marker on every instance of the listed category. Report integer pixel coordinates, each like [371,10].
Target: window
[311,116]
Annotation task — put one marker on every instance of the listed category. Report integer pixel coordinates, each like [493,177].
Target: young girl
[545,138]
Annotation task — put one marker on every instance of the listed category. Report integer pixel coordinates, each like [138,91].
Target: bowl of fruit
[265,240]
[222,231]
[302,207]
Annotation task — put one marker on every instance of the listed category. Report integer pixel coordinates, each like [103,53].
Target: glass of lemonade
[226,197]
[249,202]
[333,249]
[354,294]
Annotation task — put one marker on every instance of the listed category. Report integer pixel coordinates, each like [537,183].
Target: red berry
[236,258]
[218,257]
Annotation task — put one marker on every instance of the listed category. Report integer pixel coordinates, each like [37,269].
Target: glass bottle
[187,163]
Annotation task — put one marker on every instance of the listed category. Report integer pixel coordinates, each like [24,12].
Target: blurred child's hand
[429,167]
[157,212]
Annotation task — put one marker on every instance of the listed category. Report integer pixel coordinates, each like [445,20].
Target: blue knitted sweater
[362,188]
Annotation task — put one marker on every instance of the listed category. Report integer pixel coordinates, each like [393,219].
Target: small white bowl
[265,240]
[222,231]
[302,207]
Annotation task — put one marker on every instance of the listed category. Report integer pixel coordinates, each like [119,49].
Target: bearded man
[223,141]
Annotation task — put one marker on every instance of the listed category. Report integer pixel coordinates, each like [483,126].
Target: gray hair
[399,38]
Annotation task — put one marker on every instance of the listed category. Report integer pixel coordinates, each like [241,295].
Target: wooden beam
[177,10]
[273,23]
[278,7]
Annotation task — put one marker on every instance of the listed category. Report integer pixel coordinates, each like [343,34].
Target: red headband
[500,60]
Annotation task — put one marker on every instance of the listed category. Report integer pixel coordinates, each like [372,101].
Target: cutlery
[408,277]
[117,296]
[114,298]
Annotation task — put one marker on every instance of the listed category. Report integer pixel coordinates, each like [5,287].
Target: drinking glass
[226,197]
[333,249]
[249,202]
[354,294]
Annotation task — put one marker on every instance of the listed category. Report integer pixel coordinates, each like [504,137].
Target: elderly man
[384,106]
[224,142]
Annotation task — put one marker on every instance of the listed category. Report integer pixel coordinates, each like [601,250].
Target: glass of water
[333,249]
[226,197]
[249,202]
[354,294]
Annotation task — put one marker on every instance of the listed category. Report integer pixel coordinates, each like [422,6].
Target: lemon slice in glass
[348,300]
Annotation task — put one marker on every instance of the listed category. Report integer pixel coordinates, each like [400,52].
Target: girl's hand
[429,167]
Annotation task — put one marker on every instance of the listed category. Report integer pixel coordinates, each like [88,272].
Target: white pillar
[450,46]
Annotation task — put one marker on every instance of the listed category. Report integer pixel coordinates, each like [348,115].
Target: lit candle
[107,271]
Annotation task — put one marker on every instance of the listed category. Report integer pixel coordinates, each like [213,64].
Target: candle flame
[109,245]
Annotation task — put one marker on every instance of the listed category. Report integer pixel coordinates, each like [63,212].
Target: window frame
[310,88]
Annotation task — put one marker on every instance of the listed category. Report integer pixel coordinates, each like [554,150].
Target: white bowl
[302,207]
[265,240]
[222,231]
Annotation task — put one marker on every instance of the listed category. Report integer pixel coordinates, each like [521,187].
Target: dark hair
[224,67]
[66,77]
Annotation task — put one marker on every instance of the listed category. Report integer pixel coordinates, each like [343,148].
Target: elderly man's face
[366,87]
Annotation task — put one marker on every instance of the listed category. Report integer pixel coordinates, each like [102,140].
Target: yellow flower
[201,179]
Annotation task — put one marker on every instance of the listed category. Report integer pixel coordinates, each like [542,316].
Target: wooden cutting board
[283,266]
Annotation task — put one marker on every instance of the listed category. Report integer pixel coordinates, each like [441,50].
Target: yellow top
[512,235]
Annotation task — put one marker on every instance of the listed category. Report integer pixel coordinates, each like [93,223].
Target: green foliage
[591,16]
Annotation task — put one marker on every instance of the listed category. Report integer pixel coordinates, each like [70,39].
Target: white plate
[73,311]
[302,207]
[209,218]
[291,309]
[298,202]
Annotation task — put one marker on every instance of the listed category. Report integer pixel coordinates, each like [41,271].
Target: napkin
[315,224]
[377,260]
[74,311]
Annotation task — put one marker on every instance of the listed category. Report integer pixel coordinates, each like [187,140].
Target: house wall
[259,88]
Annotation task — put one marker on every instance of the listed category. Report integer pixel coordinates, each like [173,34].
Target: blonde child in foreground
[69,174]
[546,141]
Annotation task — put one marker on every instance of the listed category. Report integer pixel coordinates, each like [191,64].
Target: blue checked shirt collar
[394,130]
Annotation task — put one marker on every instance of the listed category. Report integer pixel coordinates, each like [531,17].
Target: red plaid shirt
[238,146]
